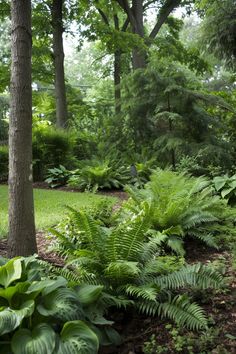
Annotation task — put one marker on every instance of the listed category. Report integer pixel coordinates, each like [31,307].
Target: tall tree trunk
[117,80]
[58,55]
[117,71]
[139,54]
[172,151]
[21,239]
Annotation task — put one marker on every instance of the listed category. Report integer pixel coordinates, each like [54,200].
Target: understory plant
[99,174]
[42,314]
[180,207]
[57,176]
[226,187]
[133,268]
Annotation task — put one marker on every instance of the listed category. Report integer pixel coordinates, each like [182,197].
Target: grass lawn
[50,206]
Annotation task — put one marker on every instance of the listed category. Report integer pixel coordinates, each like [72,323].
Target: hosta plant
[44,315]
[57,176]
[131,267]
[226,187]
[181,206]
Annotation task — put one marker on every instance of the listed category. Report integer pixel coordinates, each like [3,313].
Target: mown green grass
[50,206]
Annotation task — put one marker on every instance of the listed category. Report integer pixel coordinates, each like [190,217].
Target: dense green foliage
[180,207]
[130,267]
[44,314]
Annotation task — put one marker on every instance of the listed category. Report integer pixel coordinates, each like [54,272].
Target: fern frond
[195,275]
[179,309]
[146,292]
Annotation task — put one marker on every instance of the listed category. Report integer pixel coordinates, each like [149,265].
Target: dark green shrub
[3,163]
[51,147]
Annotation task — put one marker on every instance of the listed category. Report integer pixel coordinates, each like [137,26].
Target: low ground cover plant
[43,314]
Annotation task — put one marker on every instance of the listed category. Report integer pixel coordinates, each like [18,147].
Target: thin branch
[165,11]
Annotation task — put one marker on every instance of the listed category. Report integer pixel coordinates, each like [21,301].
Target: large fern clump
[181,206]
[132,270]
[99,174]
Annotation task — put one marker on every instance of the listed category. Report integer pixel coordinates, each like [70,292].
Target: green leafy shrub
[3,163]
[130,268]
[181,206]
[51,148]
[44,315]
[99,174]
[226,187]
[57,176]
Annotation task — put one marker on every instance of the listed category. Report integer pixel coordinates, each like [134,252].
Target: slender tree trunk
[58,55]
[172,151]
[117,80]
[21,239]
[139,54]
[117,71]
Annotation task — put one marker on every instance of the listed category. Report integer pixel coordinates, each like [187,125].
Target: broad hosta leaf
[10,319]
[10,271]
[219,182]
[77,338]
[61,303]
[41,340]
[9,292]
[88,294]
[48,285]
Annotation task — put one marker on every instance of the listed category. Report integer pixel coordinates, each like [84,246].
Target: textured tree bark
[58,55]
[117,80]
[117,71]
[139,55]
[21,240]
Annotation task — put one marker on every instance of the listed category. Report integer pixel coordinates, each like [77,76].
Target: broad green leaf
[41,340]
[48,285]
[9,292]
[220,182]
[10,272]
[62,304]
[88,294]
[77,338]
[226,192]
[10,319]
[232,184]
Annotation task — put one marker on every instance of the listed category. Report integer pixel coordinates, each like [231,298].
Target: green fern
[180,206]
[129,266]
